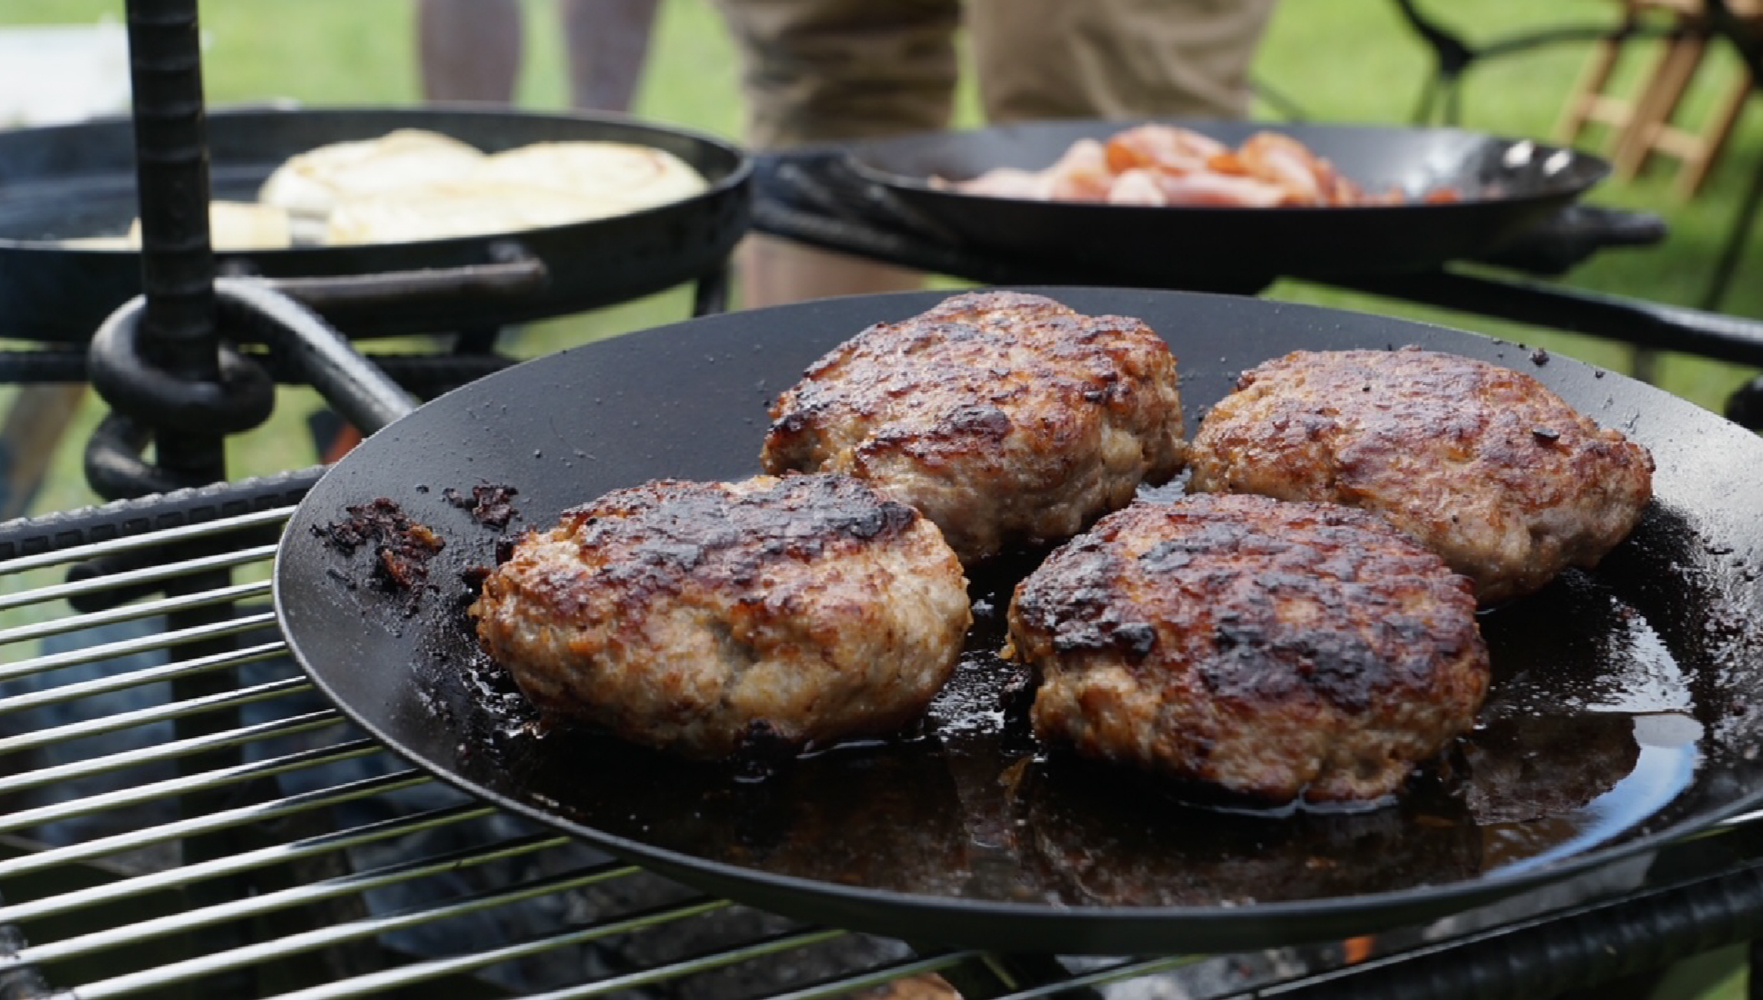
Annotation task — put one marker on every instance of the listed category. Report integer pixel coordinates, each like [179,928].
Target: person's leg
[608,44]
[469,50]
[775,271]
[1115,58]
[827,70]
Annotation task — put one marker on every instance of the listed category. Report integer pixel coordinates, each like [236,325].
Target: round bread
[1483,464]
[705,617]
[315,182]
[236,225]
[1007,418]
[1275,650]
[413,184]
[612,178]
[529,187]
[450,209]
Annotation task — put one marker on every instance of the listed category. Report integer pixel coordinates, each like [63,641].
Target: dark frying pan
[79,180]
[1623,713]
[1507,185]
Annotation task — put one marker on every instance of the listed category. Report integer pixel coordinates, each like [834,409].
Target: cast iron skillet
[79,180]
[1506,184]
[1623,712]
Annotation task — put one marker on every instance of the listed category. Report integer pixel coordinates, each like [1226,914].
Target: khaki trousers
[824,70]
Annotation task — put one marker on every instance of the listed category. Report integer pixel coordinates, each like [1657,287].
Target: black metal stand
[1748,43]
[1441,98]
[161,367]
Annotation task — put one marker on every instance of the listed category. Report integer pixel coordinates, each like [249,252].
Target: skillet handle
[359,390]
[513,272]
[41,537]
[1550,955]
[49,533]
[1564,240]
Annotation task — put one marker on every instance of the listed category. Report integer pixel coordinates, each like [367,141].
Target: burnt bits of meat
[402,548]
[490,505]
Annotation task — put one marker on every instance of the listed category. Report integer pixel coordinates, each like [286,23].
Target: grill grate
[247,840]
[344,872]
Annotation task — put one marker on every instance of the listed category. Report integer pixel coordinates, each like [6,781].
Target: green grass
[1339,62]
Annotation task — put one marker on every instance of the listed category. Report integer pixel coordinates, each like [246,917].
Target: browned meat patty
[704,617]
[1277,650]
[1485,465]
[1007,418]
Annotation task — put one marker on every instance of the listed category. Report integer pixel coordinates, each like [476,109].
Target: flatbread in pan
[72,182]
[1622,713]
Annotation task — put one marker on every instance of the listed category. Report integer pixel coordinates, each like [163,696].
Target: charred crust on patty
[683,530]
[402,546]
[1484,464]
[1273,649]
[713,618]
[1007,418]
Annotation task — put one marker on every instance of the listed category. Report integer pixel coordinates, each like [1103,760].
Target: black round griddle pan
[69,181]
[1623,711]
[1507,185]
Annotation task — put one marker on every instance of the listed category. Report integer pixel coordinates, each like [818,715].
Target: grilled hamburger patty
[1006,418]
[1485,465]
[1277,650]
[701,617]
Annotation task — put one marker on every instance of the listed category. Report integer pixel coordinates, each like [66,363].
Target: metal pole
[177,260]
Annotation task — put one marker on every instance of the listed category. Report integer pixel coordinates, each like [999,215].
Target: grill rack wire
[242,838]
[181,814]
[184,815]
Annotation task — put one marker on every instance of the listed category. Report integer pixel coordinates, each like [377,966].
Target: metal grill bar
[214,597]
[146,574]
[91,767]
[1107,975]
[148,675]
[420,972]
[166,713]
[140,542]
[245,861]
[703,963]
[879,976]
[304,895]
[208,965]
[221,820]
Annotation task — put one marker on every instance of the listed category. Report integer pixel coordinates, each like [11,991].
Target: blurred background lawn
[1335,62]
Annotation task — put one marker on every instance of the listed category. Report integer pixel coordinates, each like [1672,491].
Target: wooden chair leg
[1658,101]
[1725,118]
[1588,92]
[34,424]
